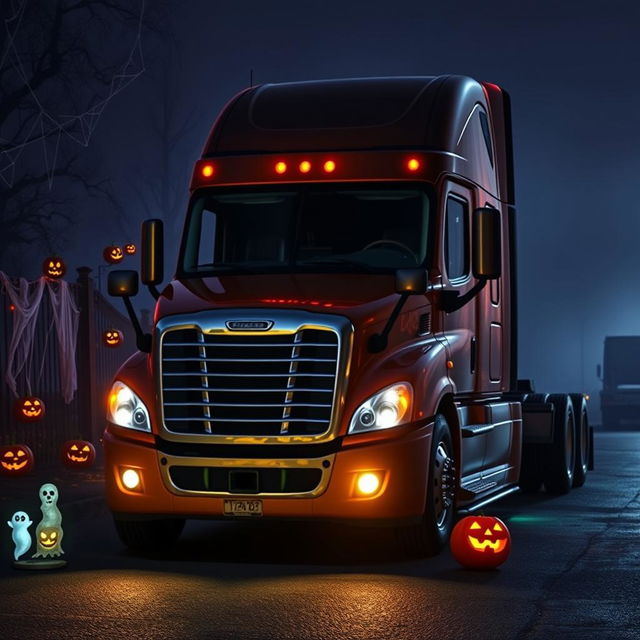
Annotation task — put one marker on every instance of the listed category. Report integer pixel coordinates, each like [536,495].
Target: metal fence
[96,364]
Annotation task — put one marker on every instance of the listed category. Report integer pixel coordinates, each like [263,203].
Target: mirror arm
[153,291]
[378,341]
[453,301]
[143,340]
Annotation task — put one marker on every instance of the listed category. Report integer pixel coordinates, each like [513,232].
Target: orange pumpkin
[130,249]
[480,542]
[54,267]
[113,254]
[112,338]
[16,460]
[78,453]
[29,409]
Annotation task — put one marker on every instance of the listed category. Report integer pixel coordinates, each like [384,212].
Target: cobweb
[48,128]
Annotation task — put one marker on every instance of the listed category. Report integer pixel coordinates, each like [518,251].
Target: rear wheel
[429,536]
[582,439]
[559,457]
[155,535]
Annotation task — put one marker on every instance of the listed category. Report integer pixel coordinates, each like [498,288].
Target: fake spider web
[48,128]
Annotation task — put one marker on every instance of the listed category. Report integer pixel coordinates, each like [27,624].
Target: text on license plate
[243,507]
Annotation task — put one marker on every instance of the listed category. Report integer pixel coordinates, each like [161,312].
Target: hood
[364,298]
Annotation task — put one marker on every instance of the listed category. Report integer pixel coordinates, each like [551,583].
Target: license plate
[243,507]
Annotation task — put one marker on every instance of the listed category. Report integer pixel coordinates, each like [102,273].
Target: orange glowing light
[329,166]
[305,166]
[449,364]
[281,167]
[413,164]
[207,170]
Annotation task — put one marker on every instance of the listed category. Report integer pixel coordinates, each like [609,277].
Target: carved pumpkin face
[29,409]
[480,542]
[78,453]
[48,537]
[112,338]
[54,268]
[130,249]
[15,460]
[113,254]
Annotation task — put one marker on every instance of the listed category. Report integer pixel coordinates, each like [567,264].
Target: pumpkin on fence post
[29,409]
[16,460]
[54,267]
[113,254]
[112,338]
[78,454]
[130,249]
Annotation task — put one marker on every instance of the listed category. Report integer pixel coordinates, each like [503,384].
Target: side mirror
[487,243]
[123,284]
[152,260]
[411,281]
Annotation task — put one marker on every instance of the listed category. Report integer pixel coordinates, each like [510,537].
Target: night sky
[572,72]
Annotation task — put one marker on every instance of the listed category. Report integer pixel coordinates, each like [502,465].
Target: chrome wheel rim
[442,484]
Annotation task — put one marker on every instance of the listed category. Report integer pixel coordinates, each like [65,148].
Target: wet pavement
[574,572]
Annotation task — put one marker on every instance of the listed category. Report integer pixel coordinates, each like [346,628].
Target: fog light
[368,483]
[131,479]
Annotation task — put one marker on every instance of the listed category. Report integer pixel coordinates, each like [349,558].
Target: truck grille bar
[271,384]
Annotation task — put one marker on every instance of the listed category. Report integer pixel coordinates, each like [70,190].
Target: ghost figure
[49,531]
[20,535]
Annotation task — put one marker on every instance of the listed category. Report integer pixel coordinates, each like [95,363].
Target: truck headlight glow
[388,408]
[126,409]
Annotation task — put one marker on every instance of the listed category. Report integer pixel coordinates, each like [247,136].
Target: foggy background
[571,69]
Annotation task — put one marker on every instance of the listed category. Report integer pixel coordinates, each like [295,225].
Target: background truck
[620,395]
[339,339]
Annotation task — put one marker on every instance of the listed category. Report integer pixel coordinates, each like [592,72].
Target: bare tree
[61,62]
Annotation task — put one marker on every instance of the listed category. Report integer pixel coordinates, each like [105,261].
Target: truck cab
[339,339]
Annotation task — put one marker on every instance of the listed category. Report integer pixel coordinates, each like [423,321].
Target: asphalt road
[574,572]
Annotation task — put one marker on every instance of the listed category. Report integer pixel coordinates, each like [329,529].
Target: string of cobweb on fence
[48,128]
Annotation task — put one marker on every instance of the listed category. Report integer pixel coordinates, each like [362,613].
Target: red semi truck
[339,339]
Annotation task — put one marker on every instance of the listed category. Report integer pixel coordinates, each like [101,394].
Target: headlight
[127,410]
[387,408]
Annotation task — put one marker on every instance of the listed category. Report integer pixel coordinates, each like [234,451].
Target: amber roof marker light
[305,166]
[207,170]
[329,166]
[413,164]
[281,167]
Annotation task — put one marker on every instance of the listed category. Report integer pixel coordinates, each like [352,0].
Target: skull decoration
[112,337]
[49,531]
[54,268]
[78,453]
[130,249]
[113,254]
[480,542]
[16,460]
[29,409]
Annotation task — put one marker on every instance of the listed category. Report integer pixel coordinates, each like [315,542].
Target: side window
[456,238]
[206,250]
[484,124]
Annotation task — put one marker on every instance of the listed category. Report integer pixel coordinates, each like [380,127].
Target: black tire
[582,439]
[532,462]
[559,457]
[432,534]
[149,535]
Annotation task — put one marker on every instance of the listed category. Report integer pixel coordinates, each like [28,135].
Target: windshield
[307,228]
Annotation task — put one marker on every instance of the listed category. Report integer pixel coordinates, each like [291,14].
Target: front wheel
[429,536]
[149,535]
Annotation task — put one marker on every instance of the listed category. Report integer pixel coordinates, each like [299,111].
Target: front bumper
[402,459]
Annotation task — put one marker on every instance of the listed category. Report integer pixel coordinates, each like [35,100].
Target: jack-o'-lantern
[78,453]
[130,249]
[54,268]
[112,337]
[16,460]
[480,542]
[29,409]
[48,538]
[113,254]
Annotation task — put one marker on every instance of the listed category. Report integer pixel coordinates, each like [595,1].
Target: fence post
[88,402]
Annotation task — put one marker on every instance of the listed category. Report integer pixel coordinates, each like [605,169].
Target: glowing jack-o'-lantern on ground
[113,254]
[78,453]
[130,249]
[54,268]
[16,460]
[112,338]
[480,542]
[29,409]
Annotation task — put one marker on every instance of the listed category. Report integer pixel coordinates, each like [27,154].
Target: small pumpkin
[112,338]
[113,254]
[78,453]
[54,267]
[29,409]
[130,249]
[16,460]
[480,542]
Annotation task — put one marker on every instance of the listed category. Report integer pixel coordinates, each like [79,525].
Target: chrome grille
[230,384]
